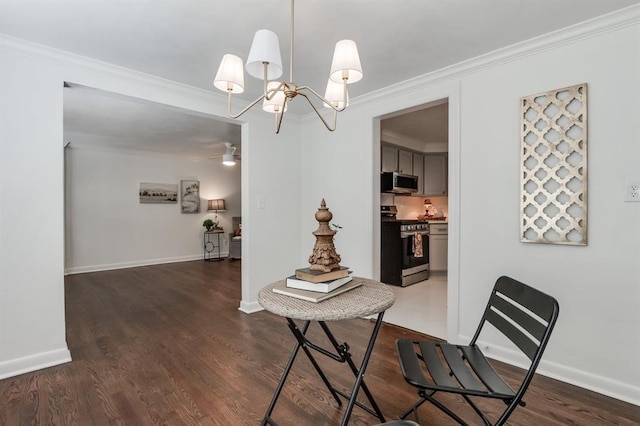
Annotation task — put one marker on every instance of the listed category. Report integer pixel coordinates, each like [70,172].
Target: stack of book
[316,286]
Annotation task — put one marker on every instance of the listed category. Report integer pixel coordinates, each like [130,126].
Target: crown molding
[93,147]
[394,138]
[41,52]
[607,23]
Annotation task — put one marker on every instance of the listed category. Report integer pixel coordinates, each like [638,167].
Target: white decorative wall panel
[554,166]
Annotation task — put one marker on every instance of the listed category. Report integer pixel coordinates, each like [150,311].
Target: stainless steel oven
[399,263]
[415,252]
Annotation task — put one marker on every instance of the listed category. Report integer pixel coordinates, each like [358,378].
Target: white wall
[598,287]
[32,328]
[108,228]
[32,332]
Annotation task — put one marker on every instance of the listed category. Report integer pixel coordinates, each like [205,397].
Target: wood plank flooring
[166,345]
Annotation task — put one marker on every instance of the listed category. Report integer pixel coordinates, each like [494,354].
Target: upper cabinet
[405,162]
[418,170]
[435,174]
[431,168]
[389,158]
[394,159]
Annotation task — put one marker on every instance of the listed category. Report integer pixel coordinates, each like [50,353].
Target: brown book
[319,276]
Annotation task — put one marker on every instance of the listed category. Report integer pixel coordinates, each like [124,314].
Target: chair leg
[445,409]
[414,409]
[477,410]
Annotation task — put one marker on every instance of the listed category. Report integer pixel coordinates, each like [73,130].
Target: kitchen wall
[107,227]
[412,207]
[598,286]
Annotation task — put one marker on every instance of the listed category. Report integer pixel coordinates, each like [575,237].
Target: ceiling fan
[229,157]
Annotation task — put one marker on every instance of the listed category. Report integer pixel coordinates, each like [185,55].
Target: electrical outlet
[632,191]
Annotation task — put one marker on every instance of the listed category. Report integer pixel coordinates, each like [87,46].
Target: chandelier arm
[323,99]
[244,110]
[335,112]
[281,114]
[269,94]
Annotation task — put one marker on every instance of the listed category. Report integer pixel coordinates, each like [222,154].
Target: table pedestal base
[341,354]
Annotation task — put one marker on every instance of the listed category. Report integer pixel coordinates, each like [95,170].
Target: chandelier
[264,62]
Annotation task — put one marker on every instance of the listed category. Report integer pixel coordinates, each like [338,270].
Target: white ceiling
[97,118]
[185,40]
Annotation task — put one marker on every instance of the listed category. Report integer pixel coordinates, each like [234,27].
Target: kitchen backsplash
[412,207]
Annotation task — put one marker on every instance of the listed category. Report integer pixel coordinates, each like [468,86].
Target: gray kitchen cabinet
[394,159]
[405,162]
[388,158]
[438,246]
[418,170]
[435,174]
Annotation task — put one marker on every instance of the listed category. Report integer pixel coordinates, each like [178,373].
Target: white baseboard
[133,264]
[250,307]
[600,384]
[35,362]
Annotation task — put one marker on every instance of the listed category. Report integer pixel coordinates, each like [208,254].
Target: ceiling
[420,128]
[184,40]
[102,119]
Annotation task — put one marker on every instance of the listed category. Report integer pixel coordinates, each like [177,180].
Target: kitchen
[414,210]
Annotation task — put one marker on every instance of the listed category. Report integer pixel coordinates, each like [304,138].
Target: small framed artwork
[158,193]
[190,196]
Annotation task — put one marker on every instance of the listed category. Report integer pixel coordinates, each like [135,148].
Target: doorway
[415,141]
[117,143]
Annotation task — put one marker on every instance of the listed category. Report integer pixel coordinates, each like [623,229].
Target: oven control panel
[414,227]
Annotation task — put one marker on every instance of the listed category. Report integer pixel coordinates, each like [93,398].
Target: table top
[215,231]
[372,297]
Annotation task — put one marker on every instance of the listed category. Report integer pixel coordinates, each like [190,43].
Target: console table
[371,298]
[210,247]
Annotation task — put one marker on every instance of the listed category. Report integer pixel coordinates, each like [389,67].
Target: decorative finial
[324,257]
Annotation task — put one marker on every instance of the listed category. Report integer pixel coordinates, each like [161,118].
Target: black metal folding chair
[523,314]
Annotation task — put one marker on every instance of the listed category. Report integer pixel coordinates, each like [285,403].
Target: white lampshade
[346,58]
[265,48]
[335,95]
[275,104]
[230,74]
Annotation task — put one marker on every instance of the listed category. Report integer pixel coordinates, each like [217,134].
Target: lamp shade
[216,205]
[346,62]
[265,48]
[335,94]
[274,104]
[230,75]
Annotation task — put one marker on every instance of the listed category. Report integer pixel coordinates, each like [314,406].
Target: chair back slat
[536,301]
[535,334]
[519,316]
[521,340]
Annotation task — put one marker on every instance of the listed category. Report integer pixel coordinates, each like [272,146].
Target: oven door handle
[410,234]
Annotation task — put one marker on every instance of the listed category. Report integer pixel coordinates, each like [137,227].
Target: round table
[370,298]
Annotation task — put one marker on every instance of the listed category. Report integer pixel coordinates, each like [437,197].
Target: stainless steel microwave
[398,183]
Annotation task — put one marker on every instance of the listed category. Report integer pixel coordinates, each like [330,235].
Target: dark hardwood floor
[167,345]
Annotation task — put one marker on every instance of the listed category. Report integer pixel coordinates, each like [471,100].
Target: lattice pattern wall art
[554,166]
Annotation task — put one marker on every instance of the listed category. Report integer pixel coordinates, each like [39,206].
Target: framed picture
[158,193]
[190,198]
